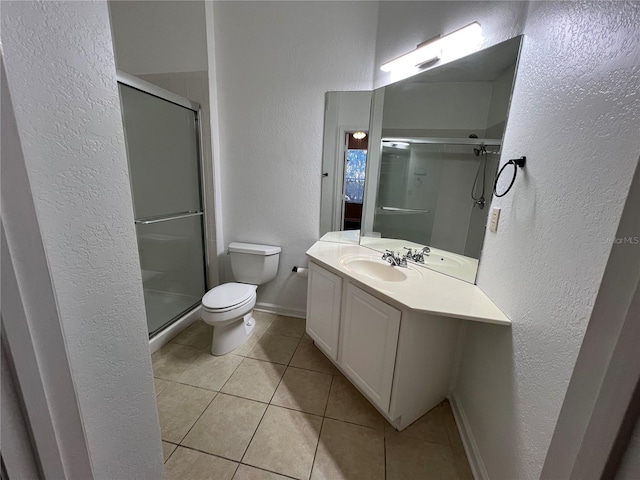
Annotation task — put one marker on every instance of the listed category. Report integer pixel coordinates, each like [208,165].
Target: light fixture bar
[424,53]
[433,49]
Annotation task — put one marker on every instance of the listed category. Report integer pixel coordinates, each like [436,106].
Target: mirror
[434,149]
[343,164]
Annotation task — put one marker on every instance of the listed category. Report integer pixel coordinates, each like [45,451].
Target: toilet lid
[227,295]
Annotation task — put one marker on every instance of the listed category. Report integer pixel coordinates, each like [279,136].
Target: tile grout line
[309,370]
[199,417]
[294,410]
[315,453]
[384,449]
[286,367]
[268,404]
[171,454]
[324,414]
[257,427]
[210,454]
[244,454]
[187,385]
[266,470]
[313,462]
[208,405]
[206,453]
[360,425]
[232,373]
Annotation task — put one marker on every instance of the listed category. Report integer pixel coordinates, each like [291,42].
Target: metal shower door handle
[165,218]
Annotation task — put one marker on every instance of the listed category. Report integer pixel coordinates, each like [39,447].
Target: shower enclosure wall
[163,149]
[425,190]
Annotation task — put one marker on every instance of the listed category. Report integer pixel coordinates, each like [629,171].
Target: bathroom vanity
[434,145]
[393,332]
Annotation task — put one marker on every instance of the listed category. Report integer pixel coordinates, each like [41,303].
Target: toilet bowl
[229,307]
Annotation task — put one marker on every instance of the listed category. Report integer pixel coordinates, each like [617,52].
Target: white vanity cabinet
[369,340]
[400,359]
[324,301]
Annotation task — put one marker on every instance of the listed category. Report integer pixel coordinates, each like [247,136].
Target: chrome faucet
[417,255]
[394,259]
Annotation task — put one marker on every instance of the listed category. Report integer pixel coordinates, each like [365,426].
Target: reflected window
[354,175]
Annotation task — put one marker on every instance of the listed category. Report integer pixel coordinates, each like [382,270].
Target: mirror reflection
[434,150]
[344,159]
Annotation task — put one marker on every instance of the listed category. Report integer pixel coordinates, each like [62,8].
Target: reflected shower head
[475,150]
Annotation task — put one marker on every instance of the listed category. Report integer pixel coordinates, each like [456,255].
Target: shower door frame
[161,93]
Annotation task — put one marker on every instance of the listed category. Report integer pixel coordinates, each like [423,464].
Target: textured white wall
[159,36]
[275,61]
[575,114]
[68,117]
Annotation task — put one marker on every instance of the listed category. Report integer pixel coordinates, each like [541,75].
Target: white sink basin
[376,269]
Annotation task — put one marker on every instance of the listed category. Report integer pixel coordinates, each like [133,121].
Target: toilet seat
[228,296]
[238,306]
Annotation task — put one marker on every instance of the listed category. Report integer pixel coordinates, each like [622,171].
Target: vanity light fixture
[436,48]
[359,135]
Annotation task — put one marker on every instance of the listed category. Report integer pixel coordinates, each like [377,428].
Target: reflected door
[355,161]
[164,164]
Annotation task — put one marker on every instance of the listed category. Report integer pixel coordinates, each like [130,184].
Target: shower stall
[429,191]
[162,132]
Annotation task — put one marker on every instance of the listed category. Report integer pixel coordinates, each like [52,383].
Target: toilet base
[229,337]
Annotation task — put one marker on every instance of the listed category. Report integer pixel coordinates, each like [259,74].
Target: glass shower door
[164,164]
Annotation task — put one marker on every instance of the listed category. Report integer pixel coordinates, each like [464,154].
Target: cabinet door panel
[368,344]
[324,296]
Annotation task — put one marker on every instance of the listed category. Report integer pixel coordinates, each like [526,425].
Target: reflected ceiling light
[402,145]
[462,39]
[359,135]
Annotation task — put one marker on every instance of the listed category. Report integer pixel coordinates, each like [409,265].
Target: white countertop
[459,266]
[427,291]
[344,236]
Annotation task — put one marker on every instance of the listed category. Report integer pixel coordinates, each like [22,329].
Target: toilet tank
[252,263]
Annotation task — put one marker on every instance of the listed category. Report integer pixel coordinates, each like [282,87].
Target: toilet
[229,307]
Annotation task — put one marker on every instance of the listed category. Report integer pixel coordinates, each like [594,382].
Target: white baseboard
[468,440]
[280,310]
[166,335]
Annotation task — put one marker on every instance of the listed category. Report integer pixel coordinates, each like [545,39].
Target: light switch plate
[495,216]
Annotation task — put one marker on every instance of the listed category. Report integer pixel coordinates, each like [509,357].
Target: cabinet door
[368,344]
[324,296]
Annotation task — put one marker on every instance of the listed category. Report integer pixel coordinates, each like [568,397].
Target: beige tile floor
[277,408]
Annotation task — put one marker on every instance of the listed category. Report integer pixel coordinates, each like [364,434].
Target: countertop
[424,291]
